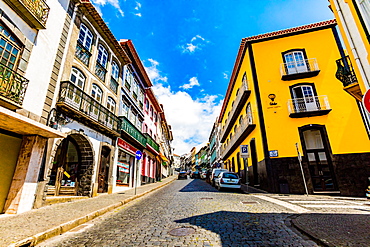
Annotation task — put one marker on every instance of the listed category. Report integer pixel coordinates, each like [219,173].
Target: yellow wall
[9,149]
[344,124]
[346,41]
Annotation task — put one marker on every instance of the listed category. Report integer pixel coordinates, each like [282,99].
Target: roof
[103,29]
[153,99]
[129,47]
[262,37]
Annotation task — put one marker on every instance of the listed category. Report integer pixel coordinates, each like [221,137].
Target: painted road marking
[284,204]
[329,202]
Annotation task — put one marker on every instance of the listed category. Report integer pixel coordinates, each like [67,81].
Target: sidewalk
[34,226]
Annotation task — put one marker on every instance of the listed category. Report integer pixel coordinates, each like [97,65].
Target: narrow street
[205,216]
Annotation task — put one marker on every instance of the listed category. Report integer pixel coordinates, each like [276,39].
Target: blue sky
[189,48]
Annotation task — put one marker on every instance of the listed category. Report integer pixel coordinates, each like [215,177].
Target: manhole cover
[206,198]
[182,231]
[249,202]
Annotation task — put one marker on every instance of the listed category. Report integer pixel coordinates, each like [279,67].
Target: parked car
[229,180]
[203,174]
[195,174]
[215,173]
[182,174]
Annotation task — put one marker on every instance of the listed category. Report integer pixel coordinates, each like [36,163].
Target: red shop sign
[124,145]
[366,100]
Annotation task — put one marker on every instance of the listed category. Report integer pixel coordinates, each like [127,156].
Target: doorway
[304,98]
[254,163]
[295,62]
[316,149]
[103,173]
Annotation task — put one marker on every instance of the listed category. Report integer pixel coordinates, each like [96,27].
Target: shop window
[123,168]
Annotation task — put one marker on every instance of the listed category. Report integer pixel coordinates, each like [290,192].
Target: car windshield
[230,175]
[218,172]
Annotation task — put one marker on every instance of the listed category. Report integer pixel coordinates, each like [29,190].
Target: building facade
[27,29]
[353,67]
[283,102]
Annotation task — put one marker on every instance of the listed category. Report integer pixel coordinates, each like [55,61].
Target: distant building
[283,99]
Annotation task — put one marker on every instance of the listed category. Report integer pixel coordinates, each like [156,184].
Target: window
[111,104]
[134,90]
[102,56]
[304,98]
[115,71]
[241,119]
[128,79]
[295,62]
[139,124]
[364,8]
[9,48]
[155,138]
[145,128]
[151,111]
[78,78]
[97,93]
[85,37]
[150,132]
[249,114]
[125,109]
[244,80]
[147,104]
[155,118]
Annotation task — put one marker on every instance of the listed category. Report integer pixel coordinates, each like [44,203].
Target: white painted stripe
[329,202]
[337,206]
[284,204]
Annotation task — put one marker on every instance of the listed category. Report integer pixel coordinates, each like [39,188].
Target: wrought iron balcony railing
[87,108]
[100,71]
[83,54]
[242,130]
[132,131]
[309,106]
[151,142]
[12,85]
[34,12]
[299,69]
[242,94]
[345,72]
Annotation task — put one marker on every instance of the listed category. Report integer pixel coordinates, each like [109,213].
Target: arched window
[85,37]
[249,114]
[97,93]
[102,56]
[241,119]
[111,104]
[78,78]
[115,70]
[9,48]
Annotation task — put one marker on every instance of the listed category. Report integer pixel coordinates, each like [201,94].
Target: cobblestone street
[209,217]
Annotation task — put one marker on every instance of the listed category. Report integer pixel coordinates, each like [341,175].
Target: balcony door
[304,98]
[295,62]
[317,152]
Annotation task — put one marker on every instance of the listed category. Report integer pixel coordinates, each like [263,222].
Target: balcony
[81,106]
[241,97]
[12,88]
[309,106]
[83,54]
[346,74]
[100,71]
[130,131]
[299,69]
[241,132]
[151,142]
[34,12]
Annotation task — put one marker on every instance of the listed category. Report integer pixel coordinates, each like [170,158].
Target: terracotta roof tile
[290,30]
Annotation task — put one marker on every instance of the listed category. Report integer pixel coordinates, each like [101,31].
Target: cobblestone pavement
[209,217]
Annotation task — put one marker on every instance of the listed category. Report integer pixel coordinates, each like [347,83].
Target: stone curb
[62,228]
[307,232]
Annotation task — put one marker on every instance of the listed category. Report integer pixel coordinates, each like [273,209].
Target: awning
[163,157]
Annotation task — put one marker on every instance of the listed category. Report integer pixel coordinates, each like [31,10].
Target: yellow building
[283,98]
[353,19]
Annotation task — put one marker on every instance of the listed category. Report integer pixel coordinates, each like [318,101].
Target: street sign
[138,155]
[366,100]
[244,153]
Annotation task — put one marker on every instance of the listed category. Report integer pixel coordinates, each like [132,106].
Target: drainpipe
[352,43]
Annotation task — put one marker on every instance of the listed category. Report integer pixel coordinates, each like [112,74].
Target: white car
[229,180]
[215,173]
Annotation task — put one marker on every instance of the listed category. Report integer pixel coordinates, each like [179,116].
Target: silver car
[229,180]
[215,173]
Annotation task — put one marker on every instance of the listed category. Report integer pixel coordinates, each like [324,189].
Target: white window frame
[102,58]
[85,37]
[97,93]
[115,70]
[111,104]
[80,78]
[364,8]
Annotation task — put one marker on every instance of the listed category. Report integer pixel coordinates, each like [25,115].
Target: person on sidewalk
[368,193]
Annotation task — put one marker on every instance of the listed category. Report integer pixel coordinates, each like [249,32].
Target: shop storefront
[125,164]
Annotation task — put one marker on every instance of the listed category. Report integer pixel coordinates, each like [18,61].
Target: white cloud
[153,72]
[196,43]
[137,8]
[192,82]
[138,14]
[191,119]
[114,3]
[226,76]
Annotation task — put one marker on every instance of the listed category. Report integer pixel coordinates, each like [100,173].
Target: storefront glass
[123,168]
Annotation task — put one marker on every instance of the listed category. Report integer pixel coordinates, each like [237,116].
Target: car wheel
[219,188]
